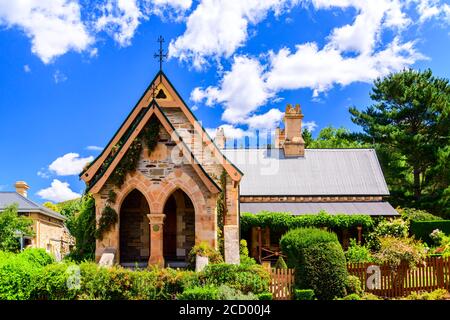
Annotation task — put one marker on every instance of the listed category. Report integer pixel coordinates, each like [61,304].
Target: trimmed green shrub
[199,293]
[243,248]
[282,221]
[353,285]
[246,278]
[265,296]
[18,276]
[422,229]
[205,250]
[318,260]
[304,294]
[280,264]
[39,257]
[52,283]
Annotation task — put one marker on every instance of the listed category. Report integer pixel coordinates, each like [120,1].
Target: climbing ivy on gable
[151,134]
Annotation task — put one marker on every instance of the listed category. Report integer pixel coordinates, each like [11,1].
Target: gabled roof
[154,110]
[175,101]
[26,205]
[321,172]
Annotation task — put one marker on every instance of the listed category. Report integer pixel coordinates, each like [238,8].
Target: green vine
[151,134]
[221,210]
[127,164]
[109,216]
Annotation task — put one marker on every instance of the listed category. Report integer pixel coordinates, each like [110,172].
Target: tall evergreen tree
[410,126]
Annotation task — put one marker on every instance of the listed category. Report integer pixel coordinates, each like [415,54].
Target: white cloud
[59,77]
[120,19]
[373,16]
[43,173]
[230,132]
[26,68]
[58,192]
[218,27]
[427,9]
[310,125]
[54,26]
[249,84]
[69,164]
[94,148]
[266,121]
[320,69]
[241,90]
[174,9]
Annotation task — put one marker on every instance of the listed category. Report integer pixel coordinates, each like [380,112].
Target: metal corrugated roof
[320,172]
[26,205]
[369,208]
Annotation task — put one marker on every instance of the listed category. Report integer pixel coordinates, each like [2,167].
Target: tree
[410,126]
[11,224]
[330,137]
[81,224]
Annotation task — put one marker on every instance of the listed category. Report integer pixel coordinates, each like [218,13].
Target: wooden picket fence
[432,275]
[282,283]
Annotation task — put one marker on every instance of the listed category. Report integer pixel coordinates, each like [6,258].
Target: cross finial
[161,55]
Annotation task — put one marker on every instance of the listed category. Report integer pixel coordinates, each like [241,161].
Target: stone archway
[134,234]
[179,227]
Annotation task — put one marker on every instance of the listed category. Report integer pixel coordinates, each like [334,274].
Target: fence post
[440,272]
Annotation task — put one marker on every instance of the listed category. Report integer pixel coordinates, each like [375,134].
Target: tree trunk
[417,186]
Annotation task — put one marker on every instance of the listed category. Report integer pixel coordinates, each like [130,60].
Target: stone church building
[172,186]
[167,203]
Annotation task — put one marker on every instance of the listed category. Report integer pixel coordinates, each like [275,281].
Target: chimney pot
[21,188]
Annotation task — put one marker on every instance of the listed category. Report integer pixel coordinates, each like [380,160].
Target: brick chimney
[21,188]
[290,138]
[220,138]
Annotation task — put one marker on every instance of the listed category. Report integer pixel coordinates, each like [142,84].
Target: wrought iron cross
[161,55]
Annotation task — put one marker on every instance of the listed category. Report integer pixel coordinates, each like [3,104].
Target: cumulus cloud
[241,91]
[69,164]
[253,82]
[58,191]
[54,26]
[175,9]
[120,19]
[218,27]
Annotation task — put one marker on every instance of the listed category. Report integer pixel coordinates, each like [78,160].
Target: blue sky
[71,70]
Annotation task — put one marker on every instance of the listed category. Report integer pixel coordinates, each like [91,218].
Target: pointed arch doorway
[179,228]
[134,233]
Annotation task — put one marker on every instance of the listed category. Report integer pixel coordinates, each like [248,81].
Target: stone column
[231,245]
[156,239]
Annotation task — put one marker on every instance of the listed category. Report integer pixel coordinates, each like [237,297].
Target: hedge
[304,294]
[318,260]
[282,221]
[422,229]
[33,275]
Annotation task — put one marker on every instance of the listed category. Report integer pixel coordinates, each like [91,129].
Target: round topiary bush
[319,261]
